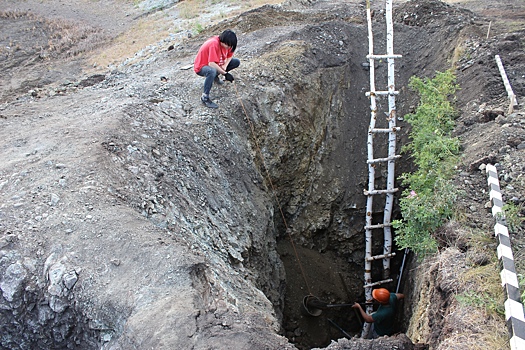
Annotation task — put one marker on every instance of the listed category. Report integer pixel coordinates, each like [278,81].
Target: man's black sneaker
[218,81]
[209,103]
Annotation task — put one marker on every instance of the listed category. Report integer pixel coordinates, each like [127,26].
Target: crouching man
[215,57]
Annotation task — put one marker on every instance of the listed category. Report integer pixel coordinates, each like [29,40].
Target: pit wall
[311,116]
[313,135]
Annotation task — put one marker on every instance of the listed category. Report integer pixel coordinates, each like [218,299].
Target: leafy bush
[428,200]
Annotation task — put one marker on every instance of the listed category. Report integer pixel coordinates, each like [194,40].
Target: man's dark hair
[229,38]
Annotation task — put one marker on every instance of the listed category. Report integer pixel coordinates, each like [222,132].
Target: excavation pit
[309,319]
[168,221]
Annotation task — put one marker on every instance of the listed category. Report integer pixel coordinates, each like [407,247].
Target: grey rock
[12,282]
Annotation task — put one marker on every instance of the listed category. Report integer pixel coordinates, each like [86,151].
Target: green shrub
[428,200]
[521,282]
[198,28]
[482,300]
[513,217]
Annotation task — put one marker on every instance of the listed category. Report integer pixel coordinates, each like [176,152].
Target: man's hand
[229,77]
[364,315]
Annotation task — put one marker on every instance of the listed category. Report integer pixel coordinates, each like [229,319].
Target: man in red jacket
[215,57]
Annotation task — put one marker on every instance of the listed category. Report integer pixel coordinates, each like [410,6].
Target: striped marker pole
[513,307]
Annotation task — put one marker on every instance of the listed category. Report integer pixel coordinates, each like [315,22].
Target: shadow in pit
[330,278]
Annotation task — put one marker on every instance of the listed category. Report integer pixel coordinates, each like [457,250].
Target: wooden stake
[511,105]
[488,31]
[510,93]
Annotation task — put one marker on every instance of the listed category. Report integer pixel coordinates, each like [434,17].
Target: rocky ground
[133,217]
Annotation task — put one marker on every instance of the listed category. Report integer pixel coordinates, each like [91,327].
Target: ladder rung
[382,256]
[394,129]
[383,93]
[371,227]
[375,57]
[371,193]
[379,160]
[378,283]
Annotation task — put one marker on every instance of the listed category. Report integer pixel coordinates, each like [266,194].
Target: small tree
[428,200]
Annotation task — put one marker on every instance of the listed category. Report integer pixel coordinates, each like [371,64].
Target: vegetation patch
[45,37]
[484,289]
[513,216]
[430,218]
[429,196]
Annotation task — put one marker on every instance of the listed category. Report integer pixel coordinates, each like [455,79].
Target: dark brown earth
[114,172]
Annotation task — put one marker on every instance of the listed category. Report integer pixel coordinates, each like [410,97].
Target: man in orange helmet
[383,319]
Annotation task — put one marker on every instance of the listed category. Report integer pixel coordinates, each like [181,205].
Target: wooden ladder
[373,162]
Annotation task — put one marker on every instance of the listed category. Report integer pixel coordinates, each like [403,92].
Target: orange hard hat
[382,295]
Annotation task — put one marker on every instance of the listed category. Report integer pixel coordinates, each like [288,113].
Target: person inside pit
[215,58]
[383,319]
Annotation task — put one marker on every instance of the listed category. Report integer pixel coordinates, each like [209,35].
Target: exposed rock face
[132,217]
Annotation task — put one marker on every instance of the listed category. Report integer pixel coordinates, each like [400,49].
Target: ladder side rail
[371,176]
[387,231]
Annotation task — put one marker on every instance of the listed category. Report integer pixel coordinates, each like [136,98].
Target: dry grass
[472,319]
[54,37]
[481,282]
[146,31]
[150,30]
[487,338]
[191,9]
[281,57]
[482,286]
[13,14]
[480,299]
[474,330]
